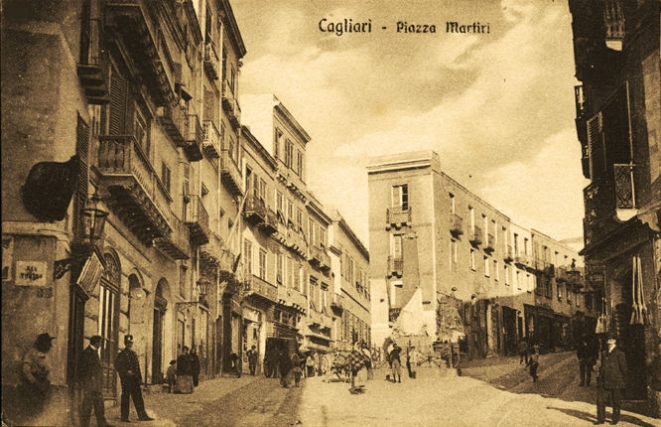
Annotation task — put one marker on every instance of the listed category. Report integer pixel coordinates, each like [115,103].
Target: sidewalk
[165,407]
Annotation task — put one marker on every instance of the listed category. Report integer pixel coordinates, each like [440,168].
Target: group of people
[413,360]
[183,374]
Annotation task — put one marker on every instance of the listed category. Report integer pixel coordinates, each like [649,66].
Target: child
[533,363]
[172,375]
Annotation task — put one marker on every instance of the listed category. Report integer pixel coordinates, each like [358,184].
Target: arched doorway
[138,321]
[160,306]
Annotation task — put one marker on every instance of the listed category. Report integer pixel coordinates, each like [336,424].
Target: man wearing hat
[128,367]
[611,381]
[90,377]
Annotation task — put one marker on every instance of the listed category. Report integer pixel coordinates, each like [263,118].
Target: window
[400,196]
[396,246]
[487,265]
[322,237]
[453,204]
[495,269]
[299,164]
[279,268]
[280,206]
[311,232]
[289,148]
[247,249]
[262,264]
[166,176]
[276,142]
[299,218]
[262,190]
[183,273]
[516,244]
[453,254]
[529,282]
[506,272]
[290,212]
[518,279]
[471,258]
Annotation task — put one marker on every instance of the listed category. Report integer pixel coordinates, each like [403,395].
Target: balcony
[197,220]
[490,246]
[231,105]
[292,298]
[398,217]
[211,61]
[211,254]
[508,257]
[230,174]
[609,201]
[193,138]
[211,141]
[270,226]
[176,244]
[94,83]
[337,305]
[395,266]
[128,22]
[319,258]
[255,210]
[476,237]
[132,187]
[522,260]
[456,226]
[260,287]
[319,320]
[173,122]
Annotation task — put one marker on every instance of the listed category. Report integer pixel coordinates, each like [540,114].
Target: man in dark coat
[90,377]
[611,381]
[195,367]
[587,357]
[128,367]
[284,365]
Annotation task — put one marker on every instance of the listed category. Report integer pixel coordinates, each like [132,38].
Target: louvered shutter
[117,115]
[82,149]
[596,145]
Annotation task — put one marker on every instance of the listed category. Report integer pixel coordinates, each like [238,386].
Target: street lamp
[94,220]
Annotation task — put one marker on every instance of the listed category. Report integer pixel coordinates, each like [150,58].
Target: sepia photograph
[331,213]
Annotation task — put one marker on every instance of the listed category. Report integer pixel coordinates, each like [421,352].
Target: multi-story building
[351,294]
[142,115]
[475,268]
[618,120]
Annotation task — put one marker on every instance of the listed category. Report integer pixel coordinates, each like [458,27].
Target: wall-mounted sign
[31,273]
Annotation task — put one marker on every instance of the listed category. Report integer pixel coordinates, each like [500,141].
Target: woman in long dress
[184,372]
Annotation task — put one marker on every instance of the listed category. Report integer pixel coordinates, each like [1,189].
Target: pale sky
[498,108]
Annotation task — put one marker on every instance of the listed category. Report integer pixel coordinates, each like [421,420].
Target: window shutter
[82,148]
[596,144]
[117,104]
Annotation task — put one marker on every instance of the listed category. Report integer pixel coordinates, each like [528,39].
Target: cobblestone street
[499,393]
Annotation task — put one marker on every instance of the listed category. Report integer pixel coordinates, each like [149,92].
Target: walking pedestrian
[611,381]
[171,376]
[396,363]
[128,367]
[368,361]
[533,363]
[184,372]
[90,378]
[252,359]
[414,359]
[195,367]
[587,357]
[523,350]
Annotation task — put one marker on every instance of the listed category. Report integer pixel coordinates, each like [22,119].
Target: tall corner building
[484,281]
[618,123]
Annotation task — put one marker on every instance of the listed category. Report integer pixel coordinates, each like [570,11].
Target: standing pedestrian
[171,376]
[523,351]
[533,363]
[587,357]
[414,359]
[184,372]
[252,359]
[90,377]
[36,368]
[284,365]
[195,366]
[296,369]
[128,367]
[309,364]
[396,363]
[368,360]
[611,381]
